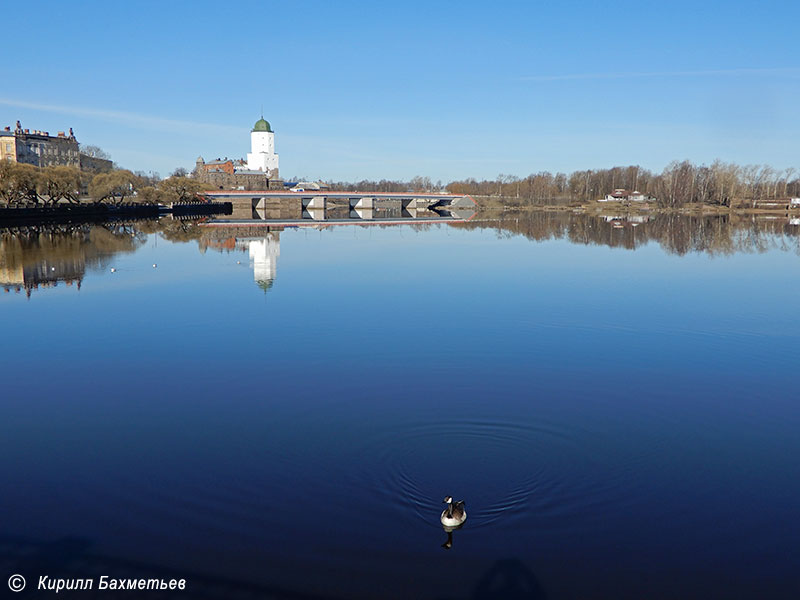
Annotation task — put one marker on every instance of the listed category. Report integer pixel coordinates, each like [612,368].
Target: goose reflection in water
[449,531]
[452,518]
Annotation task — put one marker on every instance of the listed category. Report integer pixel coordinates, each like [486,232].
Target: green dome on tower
[262,125]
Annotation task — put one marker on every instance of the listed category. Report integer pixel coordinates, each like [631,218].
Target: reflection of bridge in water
[258,219]
[288,209]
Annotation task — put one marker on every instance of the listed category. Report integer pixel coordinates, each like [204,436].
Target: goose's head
[448,500]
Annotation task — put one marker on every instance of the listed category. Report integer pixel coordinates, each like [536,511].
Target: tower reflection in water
[262,247]
[264,254]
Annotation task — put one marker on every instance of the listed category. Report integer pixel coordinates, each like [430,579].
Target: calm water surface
[279,414]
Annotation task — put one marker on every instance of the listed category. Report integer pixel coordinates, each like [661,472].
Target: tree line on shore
[679,184]
[26,185]
[416,184]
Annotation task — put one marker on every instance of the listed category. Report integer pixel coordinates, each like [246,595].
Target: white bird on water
[454,515]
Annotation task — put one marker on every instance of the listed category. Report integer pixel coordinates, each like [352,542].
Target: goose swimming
[454,515]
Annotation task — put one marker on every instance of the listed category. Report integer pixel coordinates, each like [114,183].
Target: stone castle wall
[219,180]
[95,165]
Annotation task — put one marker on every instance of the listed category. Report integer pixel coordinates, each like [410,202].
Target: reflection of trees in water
[34,256]
[46,254]
[675,233]
[178,230]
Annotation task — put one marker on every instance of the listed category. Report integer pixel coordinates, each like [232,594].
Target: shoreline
[496,203]
[105,211]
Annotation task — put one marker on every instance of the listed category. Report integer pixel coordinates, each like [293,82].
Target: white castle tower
[262,145]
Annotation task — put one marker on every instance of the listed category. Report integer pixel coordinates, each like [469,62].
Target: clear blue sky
[448,90]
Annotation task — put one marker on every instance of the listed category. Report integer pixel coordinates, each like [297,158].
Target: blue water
[621,424]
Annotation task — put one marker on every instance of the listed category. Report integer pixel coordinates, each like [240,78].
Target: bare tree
[95,152]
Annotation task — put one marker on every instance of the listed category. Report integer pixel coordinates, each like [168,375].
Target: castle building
[258,172]
[41,149]
[262,156]
[229,174]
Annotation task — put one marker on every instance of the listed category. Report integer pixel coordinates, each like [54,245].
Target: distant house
[219,165]
[306,186]
[623,195]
